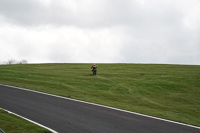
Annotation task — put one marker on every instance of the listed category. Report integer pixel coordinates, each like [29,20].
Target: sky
[100,31]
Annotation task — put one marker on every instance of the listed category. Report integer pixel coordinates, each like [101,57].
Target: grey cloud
[144,31]
[91,14]
[22,12]
[102,13]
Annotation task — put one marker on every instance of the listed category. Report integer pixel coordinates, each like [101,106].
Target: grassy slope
[166,91]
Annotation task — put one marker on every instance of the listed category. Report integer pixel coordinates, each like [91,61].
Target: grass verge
[13,124]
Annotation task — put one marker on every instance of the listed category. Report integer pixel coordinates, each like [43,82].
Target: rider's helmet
[94,65]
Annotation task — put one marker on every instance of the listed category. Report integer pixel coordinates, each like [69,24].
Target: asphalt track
[69,116]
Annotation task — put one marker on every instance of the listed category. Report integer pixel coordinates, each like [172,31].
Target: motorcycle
[94,72]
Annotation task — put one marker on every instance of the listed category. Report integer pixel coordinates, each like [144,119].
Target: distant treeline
[12,61]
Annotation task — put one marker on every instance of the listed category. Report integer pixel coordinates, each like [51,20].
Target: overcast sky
[100,31]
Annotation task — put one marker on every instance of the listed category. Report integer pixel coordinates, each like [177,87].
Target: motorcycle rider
[94,68]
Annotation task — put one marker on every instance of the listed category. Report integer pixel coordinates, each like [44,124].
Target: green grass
[166,91]
[10,123]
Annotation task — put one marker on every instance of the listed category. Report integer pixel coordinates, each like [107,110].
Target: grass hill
[166,91]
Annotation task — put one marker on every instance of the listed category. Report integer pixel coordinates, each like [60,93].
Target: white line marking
[105,107]
[53,131]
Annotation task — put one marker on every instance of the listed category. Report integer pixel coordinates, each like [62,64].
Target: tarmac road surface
[69,116]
